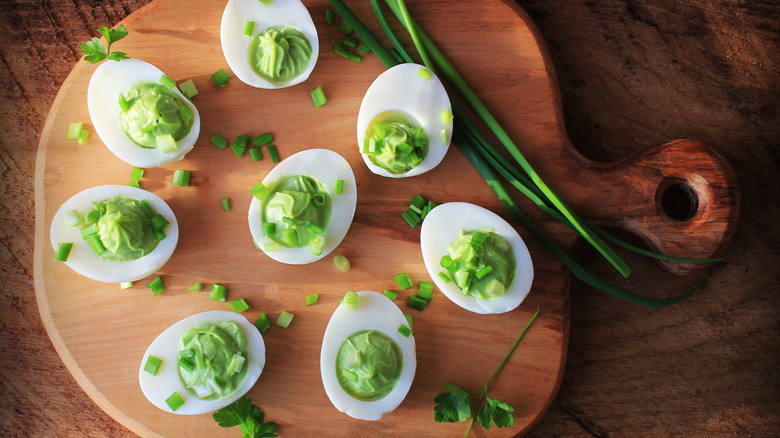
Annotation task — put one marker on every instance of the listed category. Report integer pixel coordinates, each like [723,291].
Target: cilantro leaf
[245,414]
[95,51]
[495,411]
[451,406]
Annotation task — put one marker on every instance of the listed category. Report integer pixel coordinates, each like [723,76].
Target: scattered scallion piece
[126,285]
[446,116]
[318,97]
[220,78]
[265,2]
[330,17]
[225,203]
[444,136]
[349,41]
[351,300]
[83,137]
[239,145]
[271,246]
[273,153]
[312,299]
[363,48]
[73,218]
[256,154]
[342,263]
[168,82]
[236,363]
[263,323]
[269,229]
[156,285]
[249,28]
[167,143]
[218,293]
[263,139]
[260,191]
[345,27]
[136,173]
[74,130]
[390,294]
[63,251]
[403,281]
[123,104]
[152,365]
[482,273]
[445,277]
[411,217]
[186,364]
[425,290]
[181,178]
[95,243]
[285,318]
[159,222]
[188,89]
[239,305]
[339,188]
[404,330]
[346,53]
[424,73]
[174,401]
[196,287]
[416,302]
[409,321]
[219,141]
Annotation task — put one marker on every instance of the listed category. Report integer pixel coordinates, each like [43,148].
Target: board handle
[682,198]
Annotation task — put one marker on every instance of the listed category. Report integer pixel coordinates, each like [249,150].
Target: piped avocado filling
[212,359]
[395,142]
[154,117]
[297,212]
[368,365]
[279,54]
[481,263]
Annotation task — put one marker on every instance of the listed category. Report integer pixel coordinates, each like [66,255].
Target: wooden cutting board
[101,332]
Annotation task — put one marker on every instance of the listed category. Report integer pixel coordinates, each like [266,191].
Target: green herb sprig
[95,51]
[455,405]
[245,414]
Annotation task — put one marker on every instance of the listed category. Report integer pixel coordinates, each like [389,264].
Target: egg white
[374,312]
[113,78]
[278,13]
[440,228]
[327,167]
[85,262]
[167,381]
[401,88]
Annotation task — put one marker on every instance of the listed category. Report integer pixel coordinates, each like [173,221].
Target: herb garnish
[245,414]
[455,405]
[95,51]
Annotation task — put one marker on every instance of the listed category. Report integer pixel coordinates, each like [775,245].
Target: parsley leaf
[245,414]
[495,411]
[95,51]
[451,406]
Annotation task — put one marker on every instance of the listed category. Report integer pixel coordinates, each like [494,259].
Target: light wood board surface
[101,332]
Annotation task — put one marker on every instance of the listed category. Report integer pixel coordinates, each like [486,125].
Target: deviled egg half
[404,126]
[271,45]
[304,207]
[367,365]
[141,120]
[476,258]
[119,233]
[202,363]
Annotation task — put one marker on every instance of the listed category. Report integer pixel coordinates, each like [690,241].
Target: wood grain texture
[632,75]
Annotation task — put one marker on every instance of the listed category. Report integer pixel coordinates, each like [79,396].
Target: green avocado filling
[279,54]
[395,142]
[481,263]
[368,365]
[296,213]
[122,229]
[211,359]
[154,117]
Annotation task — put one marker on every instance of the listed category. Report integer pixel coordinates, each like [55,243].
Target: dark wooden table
[633,74]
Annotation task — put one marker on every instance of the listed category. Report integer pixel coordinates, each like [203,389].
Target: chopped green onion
[318,97]
[417,201]
[135,184]
[482,273]
[63,251]
[218,293]
[403,281]
[197,287]
[349,41]
[200,361]
[181,178]
[147,208]
[239,305]
[478,239]
[168,82]
[249,27]
[188,89]
[174,401]
[424,73]
[445,136]
[317,244]
[74,130]
[156,285]
[339,188]
[239,145]
[363,48]
[390,294]
[415,209]
[416,302]
[73,218]
[96,244]
[265,2]
[126,285]
[123,104]
[159,234]
[256,154]
[236,363]
[89,230]
[427,209]
[316,229]
[269,229]
[351,300]
[446,116]
[225,203]
[318,199]
[312,299]
[288,220]
[290,237]
[350,374]
[136,173]
[219,141]
[345,27]
[83,137]
[159,222]
[411,217]
[285,318]
[262,140]
[186,364]
[271,246]
[445,277]
[220,78]
[152,365]
[425,290]
[273,153]
[260,191]
[263,323]
[342,263]
[404,330]
[409,321]
[189,353]
[167,143]
[330,17]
